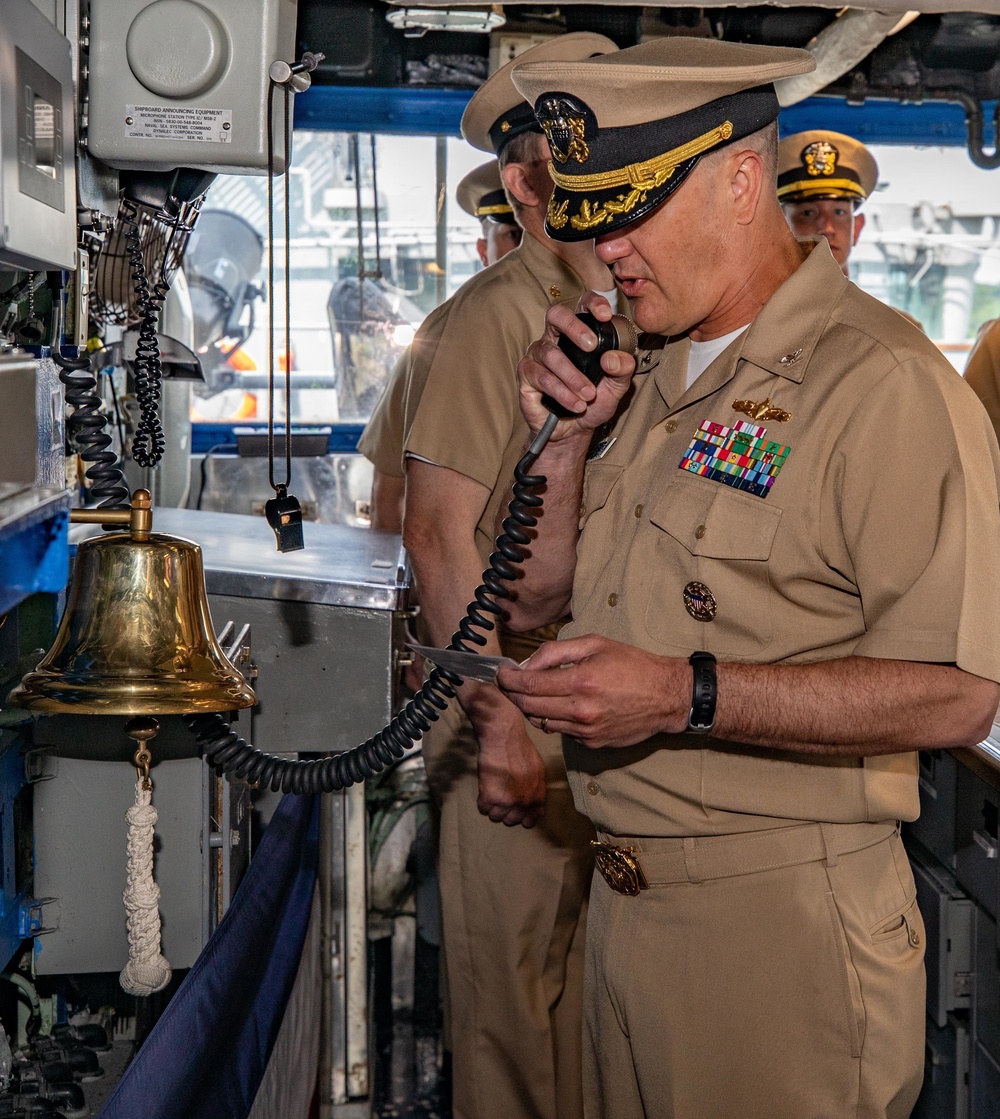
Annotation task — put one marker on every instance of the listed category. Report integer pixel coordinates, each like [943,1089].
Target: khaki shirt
[462,408]
[382,440]
[982,372]
[879,537]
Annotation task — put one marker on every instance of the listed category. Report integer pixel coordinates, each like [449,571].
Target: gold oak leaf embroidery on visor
[640,177]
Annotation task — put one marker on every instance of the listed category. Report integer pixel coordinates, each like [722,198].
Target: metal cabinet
[949,918]
[976,839]
[945,1094]
[935,826]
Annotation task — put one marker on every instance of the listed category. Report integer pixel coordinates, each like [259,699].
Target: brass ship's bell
[136,637]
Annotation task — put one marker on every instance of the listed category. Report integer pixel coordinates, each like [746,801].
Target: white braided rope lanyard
[147,971]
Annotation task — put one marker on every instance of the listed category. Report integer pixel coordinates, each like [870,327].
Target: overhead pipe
[974,128]
[838,48]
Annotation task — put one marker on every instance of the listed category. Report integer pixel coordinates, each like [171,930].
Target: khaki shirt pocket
[725,540]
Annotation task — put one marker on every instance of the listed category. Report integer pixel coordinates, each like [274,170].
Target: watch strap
[704,693]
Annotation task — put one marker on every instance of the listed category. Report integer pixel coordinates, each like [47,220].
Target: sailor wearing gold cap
[481,195]
[753,550]
[823,178]
[513,897]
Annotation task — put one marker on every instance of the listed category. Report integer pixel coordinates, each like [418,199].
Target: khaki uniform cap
[497,102]
[626,129]
[659,79]
[481,194]
[821,164]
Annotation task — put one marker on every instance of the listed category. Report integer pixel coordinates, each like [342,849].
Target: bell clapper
[147,970]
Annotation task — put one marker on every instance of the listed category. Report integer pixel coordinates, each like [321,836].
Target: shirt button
[612,599]
[593,788]
[670,426]
[638,511]
[699,532]
[914,938]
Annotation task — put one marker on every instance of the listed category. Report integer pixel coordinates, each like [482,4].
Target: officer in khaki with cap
[481,195]
[783,577]
[823,178]
[512,897]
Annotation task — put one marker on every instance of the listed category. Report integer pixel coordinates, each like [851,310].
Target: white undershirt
[704,353]
[612,297]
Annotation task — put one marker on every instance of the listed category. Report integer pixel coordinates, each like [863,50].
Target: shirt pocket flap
[598,482]
[712,521]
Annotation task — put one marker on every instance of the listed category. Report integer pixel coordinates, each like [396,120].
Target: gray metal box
[80,832]
[949,917]
[18,419]
[985,1085]
[976,843]
[176,83]
[935,827]
[945,1094]
[37,142]
[986,1000]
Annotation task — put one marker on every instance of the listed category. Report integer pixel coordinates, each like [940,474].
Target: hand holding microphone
[580,368]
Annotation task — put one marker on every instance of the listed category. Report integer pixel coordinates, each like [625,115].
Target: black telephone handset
[617,334]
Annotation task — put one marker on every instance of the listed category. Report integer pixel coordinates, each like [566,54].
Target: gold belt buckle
[619,868]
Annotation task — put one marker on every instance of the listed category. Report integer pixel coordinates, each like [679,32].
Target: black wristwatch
[704,693]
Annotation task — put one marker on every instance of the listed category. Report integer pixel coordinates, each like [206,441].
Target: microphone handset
[229,753]
[617,334]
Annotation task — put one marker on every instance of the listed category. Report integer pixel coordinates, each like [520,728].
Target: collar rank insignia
[764,410]
[820,158]
[567,124]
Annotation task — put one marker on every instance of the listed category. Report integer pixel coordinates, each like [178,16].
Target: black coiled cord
[148,442]
[231,754]
[87,428]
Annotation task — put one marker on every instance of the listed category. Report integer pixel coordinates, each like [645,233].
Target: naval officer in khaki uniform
[783,576]
[513,897]
[481,195]
[823,179]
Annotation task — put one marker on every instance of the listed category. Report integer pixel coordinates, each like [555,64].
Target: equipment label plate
[178,122]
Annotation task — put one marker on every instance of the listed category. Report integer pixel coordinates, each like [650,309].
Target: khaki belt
[630,865]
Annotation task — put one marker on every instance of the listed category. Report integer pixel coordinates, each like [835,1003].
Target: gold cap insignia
[820,158]
[564,123]
[764,410]
[505,127]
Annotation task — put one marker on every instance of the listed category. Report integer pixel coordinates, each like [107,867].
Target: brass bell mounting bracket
[138,520]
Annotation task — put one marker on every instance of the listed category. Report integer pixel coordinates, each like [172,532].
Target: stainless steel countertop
[339,566]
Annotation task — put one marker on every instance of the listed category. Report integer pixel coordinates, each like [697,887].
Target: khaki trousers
[740,987]
[514,911]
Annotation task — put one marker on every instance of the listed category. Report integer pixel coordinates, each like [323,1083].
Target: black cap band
[607,178]
[495,207]
[512,123]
